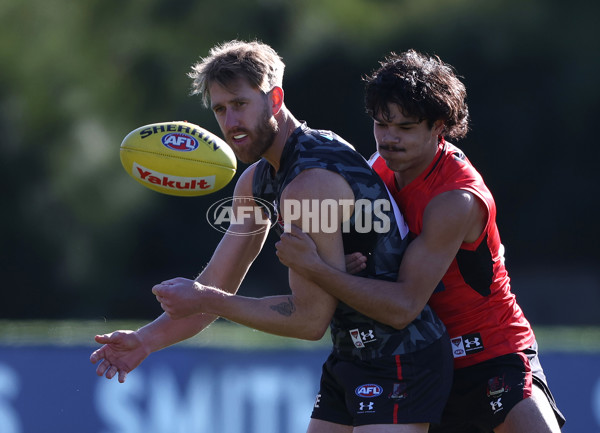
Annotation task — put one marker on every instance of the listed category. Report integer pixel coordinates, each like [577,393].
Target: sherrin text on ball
[178,158]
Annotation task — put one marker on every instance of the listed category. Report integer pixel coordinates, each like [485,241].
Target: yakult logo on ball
[180,142]
[171,182]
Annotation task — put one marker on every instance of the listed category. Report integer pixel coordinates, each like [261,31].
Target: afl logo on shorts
[369,390]
[180,142]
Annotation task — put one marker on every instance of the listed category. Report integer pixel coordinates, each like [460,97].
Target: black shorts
[483,394]
[400,389]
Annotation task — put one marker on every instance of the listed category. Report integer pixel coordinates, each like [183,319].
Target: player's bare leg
[532,415]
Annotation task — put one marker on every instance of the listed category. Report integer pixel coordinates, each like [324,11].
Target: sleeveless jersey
[353,334]
[474,299]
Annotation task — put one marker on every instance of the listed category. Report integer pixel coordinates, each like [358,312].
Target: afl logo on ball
[180,142]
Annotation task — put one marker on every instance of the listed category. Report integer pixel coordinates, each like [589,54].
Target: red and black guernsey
[474,298]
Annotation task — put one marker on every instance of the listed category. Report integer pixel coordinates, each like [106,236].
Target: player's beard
[261,139]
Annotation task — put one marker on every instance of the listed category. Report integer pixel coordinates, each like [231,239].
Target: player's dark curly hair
[422,86]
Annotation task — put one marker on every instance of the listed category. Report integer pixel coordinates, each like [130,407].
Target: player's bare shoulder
[243,186]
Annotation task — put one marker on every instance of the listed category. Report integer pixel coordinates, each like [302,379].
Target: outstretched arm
[122,351]
[307,311]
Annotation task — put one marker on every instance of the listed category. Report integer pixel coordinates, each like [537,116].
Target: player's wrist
[155,335]
[211,300]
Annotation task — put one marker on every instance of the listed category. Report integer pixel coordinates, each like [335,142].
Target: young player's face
[407,144]
[245,118]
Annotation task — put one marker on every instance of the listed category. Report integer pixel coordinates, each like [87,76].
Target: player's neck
[286,124]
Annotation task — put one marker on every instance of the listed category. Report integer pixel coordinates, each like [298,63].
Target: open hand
[122,351]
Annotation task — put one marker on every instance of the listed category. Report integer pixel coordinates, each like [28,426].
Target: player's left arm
[450,219]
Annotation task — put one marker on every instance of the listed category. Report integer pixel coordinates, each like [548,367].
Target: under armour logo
[368,406]
[496,405]
[368,335]
[474,342]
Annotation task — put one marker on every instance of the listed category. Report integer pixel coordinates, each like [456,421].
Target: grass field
[81,332]
[229,335]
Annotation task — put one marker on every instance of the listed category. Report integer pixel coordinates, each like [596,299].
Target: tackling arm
[449,219]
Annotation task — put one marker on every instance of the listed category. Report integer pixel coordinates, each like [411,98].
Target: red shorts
[400,389]
[483,394]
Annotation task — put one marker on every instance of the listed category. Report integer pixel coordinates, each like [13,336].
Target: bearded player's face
[245,118]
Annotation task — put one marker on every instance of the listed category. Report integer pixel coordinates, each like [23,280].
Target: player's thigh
[532,415]
[320,426]
[393,428]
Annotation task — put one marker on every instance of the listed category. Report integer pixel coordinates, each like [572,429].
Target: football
[178,158]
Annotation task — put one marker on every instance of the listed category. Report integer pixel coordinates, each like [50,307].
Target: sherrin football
[178,158]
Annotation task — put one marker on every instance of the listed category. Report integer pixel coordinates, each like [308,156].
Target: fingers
[355,262]
[109,371]
[105,368]
[167,310]
[157,290]
[161,293]
[280,249]
[293,230]
[356,257]
[96,356]
[112,338]
[289,236]
[161,287]
[102,367]
[166,306]
[159,297]
[103,339]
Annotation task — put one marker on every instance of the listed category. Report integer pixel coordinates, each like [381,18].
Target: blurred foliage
[83,240]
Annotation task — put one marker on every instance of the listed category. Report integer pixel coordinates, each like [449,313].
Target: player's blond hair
[254,61]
